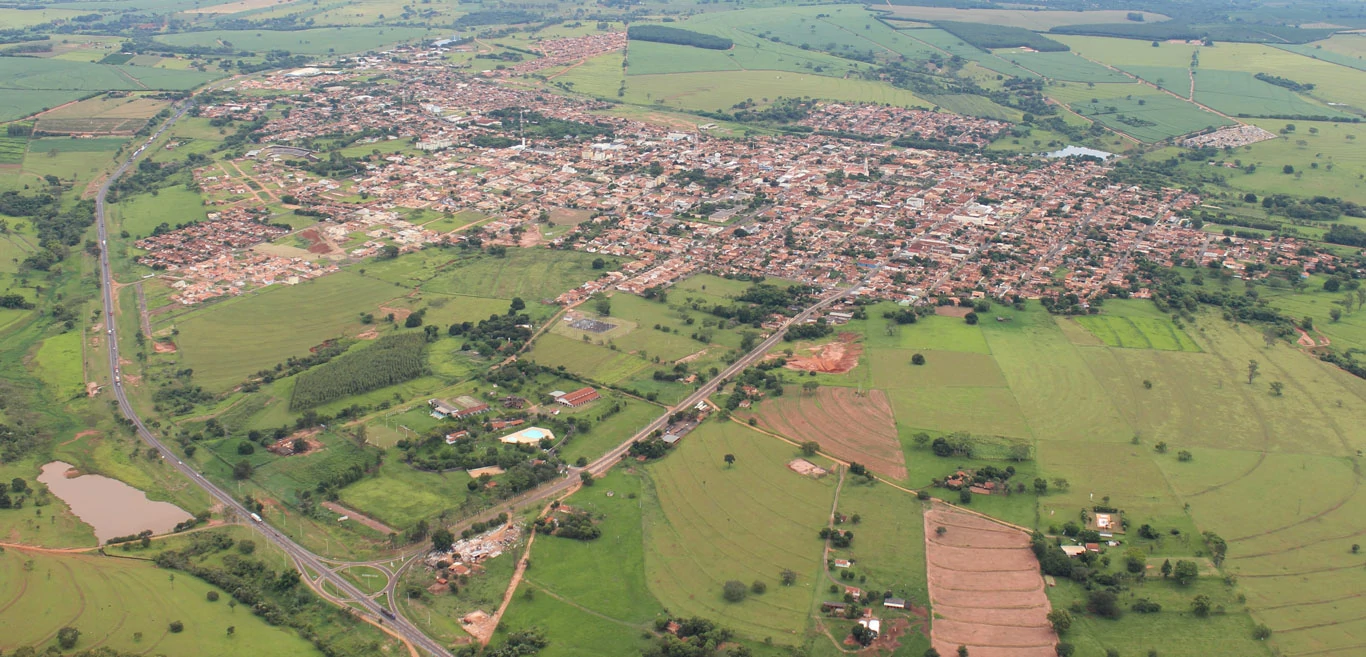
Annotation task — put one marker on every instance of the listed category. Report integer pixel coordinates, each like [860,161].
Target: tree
[599,263]
[211,596]
[787,577]
[729,459]
[931,652]
[1160,447]
[810,447]
[1334,314]
[67,637]
[734,591]
[970,318]
[1252,371]
[1277,388]
[1200,605]
[242,470]
[809,387]
[862,635]
[1184,456]
[586,478]
[232,629]
[1185,572]
[962,651]
[1065,649]
[518,304]
[1103,603]
[1166,568]
[1287,169]
[177,627]
[1060,619]
[1040,486]
[758,587]
[603,306]
[1135,560]
[442,539]
[1261,632]
[918,359]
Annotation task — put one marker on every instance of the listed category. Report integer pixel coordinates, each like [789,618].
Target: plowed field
[848,425]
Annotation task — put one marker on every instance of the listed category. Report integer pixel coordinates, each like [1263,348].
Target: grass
[19,103]
[592,597]
[57,362]
[608,433]
[1168,116]
[142,213]
[1027,18]
[1239,93]
[127,604]
[1341,161]
[400,495]
[224,342]
[1062,66]
[746,522]
[1137,325]
[532,274]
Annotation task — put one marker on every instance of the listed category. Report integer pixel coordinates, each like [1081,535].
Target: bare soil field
[985,588]
[952,311]
[848,426]
[832,358]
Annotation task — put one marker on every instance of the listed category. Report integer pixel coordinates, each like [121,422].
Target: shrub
[211,596]
[734,591]
[177,627]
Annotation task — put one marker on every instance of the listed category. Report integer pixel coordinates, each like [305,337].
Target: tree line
[678,37]
[392,359]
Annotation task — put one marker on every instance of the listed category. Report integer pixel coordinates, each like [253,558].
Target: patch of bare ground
[836,357]
[952,311]
[361,518]
[164,347]
[848,424]
[985,588]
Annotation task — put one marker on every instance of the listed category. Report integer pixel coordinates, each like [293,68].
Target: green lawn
[140,214]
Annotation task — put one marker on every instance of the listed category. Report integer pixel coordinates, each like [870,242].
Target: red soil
[985,588]
[847,425]
[832,358]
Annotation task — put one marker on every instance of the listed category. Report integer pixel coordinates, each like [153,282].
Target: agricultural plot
[1062,66]
[848,425]
[321,41]
[1170,78]
[1150,117]
[974,105]
[1344,49]
[724,89]
[745,522]
[126,605]
[532,274]
[19,103]
[952,45]
[1332,83]
[749,53]
[224,342]
[1334,144]
[1138,332]
[1029,19]
[12,149]
[1241,94]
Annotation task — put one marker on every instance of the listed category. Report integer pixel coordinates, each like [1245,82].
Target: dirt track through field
[848,425]
[985,588]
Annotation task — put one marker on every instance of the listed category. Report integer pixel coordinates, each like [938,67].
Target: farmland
[749,521]
[1239,93]
[848,426]
[49,591]
[320,41]
[1149,117]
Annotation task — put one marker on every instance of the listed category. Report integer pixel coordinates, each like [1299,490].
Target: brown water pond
[110,506]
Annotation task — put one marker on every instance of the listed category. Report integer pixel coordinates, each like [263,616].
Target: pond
[112,507]
[1080,150]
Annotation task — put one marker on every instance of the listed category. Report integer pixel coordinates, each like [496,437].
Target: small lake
[112,507]
[1079,150]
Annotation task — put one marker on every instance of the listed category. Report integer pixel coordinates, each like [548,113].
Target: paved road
[302,557]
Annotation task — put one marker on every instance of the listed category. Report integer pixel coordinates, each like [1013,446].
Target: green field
[1340,159]
[745,522]
[321,41]
[224,342]
[126,605]
[1062,66]
[1149,117]
[1239,93]
[173,206]
[1031,19]
[1137,330]
[12,149]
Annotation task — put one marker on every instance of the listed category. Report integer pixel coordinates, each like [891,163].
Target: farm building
[454,436]
[464,406]
[894,603]
[1073,550]
[576,398]
[499,425]
[528,435]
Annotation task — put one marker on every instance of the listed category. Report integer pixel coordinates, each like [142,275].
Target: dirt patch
[479,625]
[805,467]
[368,335]
[164,347]
[360,518]
[692,357]
[569,217]
[848,424]
[285,446]
[831,358]
[985,588]
[399,314]
[952,311]
[91,388]
[316,243]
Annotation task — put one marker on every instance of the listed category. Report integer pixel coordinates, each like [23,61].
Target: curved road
[306,560]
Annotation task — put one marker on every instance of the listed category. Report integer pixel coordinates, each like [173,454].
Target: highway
[306,560]
[302,557]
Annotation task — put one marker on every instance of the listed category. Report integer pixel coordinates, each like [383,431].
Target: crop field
[848,426]
[1150,117]
[1238,93]
[224,344]
[974,105]
[1138,332]
[945,42]
[319,41]
[601,363]
[649,58]
[126,605]
[1062,66]
[1332,83]
[605,577]
[1123,52]
[724,89]
[12,149]
[1343,49]
[19,103]
[1170,78]
[1026,18]
[743,522]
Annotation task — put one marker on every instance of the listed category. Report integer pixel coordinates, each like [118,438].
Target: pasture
[1333,147]
[604,580]
[1029,19]
[745,522]
[224,342]
[1061,66]
[1149,117]
[532,274]
[141,214]
[1133,328]
[127,605]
